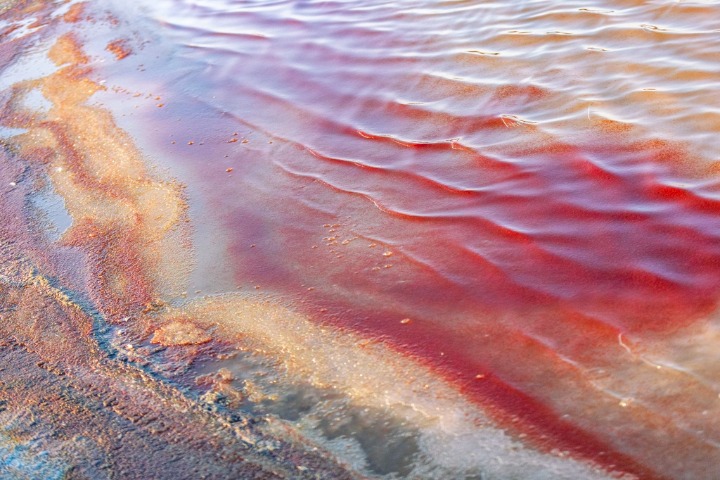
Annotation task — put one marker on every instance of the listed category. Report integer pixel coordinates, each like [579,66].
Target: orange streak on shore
[127,221]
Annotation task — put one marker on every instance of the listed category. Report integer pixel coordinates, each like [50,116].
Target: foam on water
[380,412]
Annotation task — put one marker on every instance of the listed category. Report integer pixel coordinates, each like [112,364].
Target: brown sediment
[62,394]
[178,333]
[75,13]
[119,48]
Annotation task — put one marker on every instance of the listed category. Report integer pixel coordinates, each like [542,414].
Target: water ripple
[544,172]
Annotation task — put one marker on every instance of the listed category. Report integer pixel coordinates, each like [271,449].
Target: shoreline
[121,349]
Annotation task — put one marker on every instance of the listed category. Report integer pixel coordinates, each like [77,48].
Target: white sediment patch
[454,438]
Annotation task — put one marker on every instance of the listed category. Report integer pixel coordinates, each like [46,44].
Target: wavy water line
[604,218]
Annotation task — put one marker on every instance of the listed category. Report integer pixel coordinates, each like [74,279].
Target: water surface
[522,196]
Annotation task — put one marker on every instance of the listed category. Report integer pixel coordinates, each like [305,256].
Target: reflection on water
[521,195]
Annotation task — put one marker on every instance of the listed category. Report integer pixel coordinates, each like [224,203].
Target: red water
[532,185]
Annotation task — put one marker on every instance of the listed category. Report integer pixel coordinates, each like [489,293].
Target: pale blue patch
[51,212]
[7,132]
[21,462]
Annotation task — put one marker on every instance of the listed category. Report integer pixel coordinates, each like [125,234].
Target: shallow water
[525,182]
[522,196]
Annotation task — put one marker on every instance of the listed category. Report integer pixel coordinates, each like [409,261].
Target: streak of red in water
[566,244]
[644,261]
[507,263]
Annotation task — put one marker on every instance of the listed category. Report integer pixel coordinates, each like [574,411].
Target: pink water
[532,184]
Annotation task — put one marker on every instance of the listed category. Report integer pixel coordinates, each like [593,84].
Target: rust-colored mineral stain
[75,13]
[67,50]
[119,48]
[123,217]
